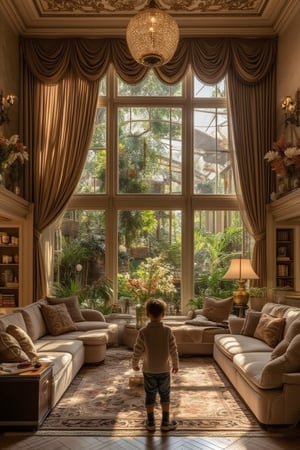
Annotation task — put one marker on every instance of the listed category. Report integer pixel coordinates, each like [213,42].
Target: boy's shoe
[168,426]
[150,425]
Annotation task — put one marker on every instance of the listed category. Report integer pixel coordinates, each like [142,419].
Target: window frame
[187,201]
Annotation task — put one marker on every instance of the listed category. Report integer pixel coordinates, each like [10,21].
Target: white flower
[290,152]
[271,155]
[13,139]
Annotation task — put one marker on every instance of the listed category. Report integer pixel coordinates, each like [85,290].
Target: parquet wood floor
[31,442]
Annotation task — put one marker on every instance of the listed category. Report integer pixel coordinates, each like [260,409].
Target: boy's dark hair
[155,307]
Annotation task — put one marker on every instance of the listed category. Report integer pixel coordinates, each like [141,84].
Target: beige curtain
[59,89]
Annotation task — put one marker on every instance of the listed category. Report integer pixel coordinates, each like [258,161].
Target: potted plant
[258,296]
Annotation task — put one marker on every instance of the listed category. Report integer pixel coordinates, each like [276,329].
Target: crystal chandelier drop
[152,36]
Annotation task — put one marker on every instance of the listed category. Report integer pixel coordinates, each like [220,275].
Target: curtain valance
[250,59]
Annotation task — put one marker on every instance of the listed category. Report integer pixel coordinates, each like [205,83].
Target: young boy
[156,343]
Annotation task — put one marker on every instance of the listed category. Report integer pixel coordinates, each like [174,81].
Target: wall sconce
[291,108]
[6,101]
[240,270]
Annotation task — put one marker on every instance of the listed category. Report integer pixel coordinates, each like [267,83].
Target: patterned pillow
[23,339]
[72,305]
[217,309]
[251,322]
[10,350]
[58,319]
[270,329]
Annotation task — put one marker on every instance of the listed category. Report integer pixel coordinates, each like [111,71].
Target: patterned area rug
[102,399]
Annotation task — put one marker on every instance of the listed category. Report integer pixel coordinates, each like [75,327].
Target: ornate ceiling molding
[95,7]
[109,18]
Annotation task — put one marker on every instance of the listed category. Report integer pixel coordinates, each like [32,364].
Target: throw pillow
[217,309]
[10,350]
[270,329]
[251,322]
[292,331]
[72,305]
[191,314]
[23,339]
[58,319]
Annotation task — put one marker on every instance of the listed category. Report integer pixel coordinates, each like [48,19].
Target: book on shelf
[283,258]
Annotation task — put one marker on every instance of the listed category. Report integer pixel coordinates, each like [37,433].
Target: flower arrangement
[152,278]
[12,152]
[284,158]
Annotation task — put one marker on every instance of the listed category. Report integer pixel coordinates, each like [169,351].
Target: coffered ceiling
[110,17]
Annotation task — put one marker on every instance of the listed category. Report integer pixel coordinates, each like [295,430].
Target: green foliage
[257,291]
[195,303]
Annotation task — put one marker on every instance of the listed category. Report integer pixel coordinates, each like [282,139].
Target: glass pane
[102,87]
[93,177]
[150,86]
[212,165]
[150,150]
[149,257]
[203,90]
[219,236]
[79,257]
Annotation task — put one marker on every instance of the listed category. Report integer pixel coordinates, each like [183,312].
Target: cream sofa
[261,358]
[84,342]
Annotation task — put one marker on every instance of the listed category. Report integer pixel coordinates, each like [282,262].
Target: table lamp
[241,270]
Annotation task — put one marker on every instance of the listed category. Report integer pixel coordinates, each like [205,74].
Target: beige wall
[288,65]
[9,72]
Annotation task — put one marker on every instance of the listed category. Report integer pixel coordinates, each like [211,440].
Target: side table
[239,310]
[26,397]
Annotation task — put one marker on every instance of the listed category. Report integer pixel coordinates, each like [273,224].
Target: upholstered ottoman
[94,346]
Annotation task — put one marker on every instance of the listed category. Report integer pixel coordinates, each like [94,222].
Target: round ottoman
[94,346]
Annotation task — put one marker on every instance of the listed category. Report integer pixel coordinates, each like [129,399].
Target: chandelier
[152,36]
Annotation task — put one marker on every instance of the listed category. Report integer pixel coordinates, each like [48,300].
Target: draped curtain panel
[59,85]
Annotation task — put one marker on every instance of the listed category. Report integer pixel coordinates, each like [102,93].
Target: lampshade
[240,269]
[152,37]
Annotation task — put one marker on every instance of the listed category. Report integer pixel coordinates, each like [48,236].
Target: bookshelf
[285,274]
[9,266]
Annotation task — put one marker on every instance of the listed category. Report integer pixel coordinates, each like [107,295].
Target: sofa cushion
[270,329]
[33,318]
[217,309]
[10,350]
[292,331]
[251,322]
[15,318]
[72,305]
[23,339]
[289,362]
[232,344]
[58,319]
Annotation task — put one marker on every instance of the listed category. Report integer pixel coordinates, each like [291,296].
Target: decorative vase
[140,316]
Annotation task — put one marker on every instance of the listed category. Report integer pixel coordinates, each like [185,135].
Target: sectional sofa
[59,332]
[261,358]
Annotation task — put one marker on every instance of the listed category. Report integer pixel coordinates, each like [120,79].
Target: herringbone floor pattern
[29,442]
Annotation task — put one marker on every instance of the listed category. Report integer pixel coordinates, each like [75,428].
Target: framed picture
[281,251]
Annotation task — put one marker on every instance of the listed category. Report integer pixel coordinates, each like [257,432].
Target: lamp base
[241,296]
